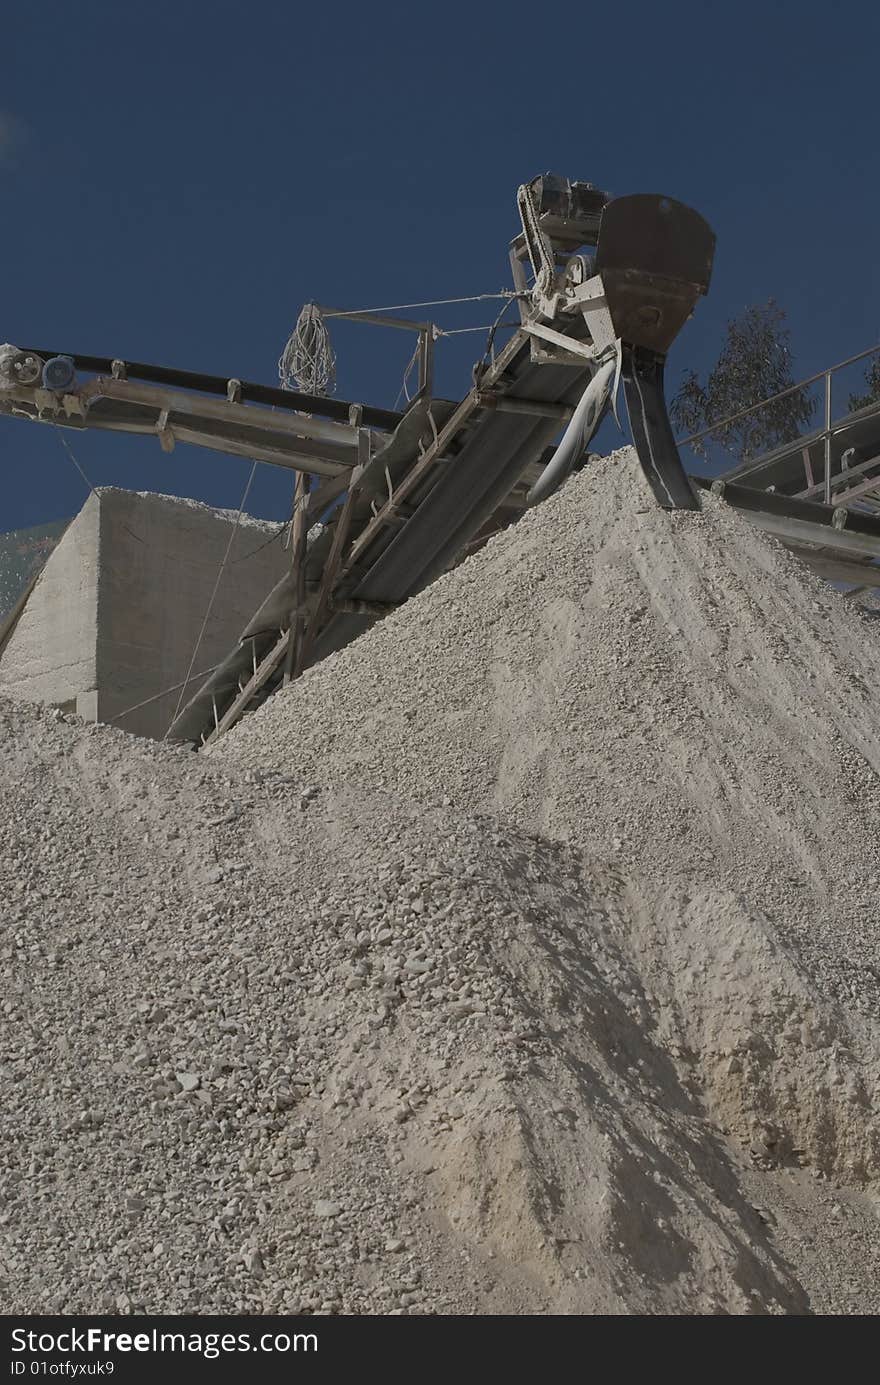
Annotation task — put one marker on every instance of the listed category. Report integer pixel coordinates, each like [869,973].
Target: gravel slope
[275,1047]
[480,972]
[675,692]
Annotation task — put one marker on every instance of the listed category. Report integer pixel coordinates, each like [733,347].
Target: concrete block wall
[113,618]
[50,655]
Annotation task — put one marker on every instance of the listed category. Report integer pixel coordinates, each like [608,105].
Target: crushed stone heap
[273,1049]
[374,1010]
[674,692]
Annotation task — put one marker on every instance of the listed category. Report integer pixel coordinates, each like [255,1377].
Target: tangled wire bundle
[307,361]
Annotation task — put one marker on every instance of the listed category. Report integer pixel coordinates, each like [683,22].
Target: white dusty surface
[328,1020]
[674,692]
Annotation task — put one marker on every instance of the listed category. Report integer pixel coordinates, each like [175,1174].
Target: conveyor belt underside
[449,507]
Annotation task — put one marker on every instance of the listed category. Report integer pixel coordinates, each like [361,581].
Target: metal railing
[825,434]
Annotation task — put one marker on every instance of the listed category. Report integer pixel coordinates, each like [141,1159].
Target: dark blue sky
[178,178]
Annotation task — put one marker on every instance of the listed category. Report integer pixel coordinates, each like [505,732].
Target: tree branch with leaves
[755,363]
[872,380]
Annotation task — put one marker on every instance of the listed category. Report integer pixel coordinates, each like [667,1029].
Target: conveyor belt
[840,544]
[849,452]
[773,504]
[426,530]
[248,392]
[421,490]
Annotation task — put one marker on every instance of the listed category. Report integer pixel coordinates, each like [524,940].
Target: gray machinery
[652,261]
[603,288]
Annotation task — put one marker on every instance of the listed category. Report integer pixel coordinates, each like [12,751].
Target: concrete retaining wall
[115,614]
[50,655]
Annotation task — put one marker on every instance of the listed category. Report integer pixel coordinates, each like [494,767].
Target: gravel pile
[272,1046]
[673,692]
[401,1003]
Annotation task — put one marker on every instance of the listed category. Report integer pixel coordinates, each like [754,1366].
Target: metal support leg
[426,362]
[298,566]
[828,438]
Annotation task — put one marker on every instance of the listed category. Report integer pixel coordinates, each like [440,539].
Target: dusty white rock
[325,1208]
[597,1044]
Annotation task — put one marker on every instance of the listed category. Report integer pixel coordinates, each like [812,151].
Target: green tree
[754,363]
[872,380]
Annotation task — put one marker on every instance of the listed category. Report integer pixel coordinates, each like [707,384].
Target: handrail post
[426,362]
[828,437]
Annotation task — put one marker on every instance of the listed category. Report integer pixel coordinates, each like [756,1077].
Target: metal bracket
[505,404]
[73,406]
[46,401]
[567,344]
[165,432]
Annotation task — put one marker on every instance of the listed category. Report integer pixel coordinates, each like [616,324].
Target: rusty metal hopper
[655,260]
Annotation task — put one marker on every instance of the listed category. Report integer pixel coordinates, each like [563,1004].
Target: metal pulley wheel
[21,367]
[59,373]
